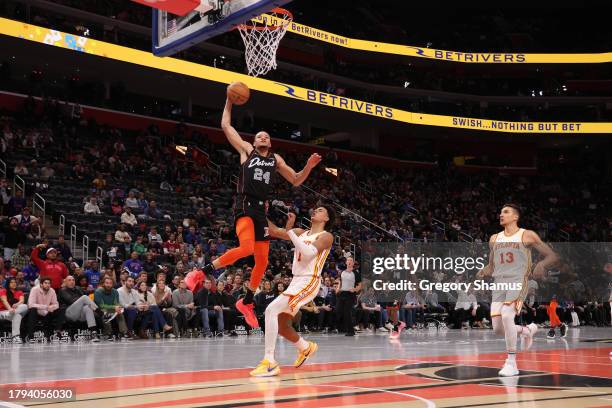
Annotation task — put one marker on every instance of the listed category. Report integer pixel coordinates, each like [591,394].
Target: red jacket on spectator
[55,270]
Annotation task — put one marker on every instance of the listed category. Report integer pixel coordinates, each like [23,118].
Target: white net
[261,37]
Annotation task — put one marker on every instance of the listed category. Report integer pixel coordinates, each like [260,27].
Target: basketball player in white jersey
[311,250]
[510,262]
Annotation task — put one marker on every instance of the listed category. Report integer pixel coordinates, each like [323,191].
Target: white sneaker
[509,369]
[528,338]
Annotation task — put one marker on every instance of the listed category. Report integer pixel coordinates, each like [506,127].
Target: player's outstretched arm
[309,251]
[232,135]
[281,233]
[533,240]
[297,178]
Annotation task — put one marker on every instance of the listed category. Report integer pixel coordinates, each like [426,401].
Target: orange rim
[277,10]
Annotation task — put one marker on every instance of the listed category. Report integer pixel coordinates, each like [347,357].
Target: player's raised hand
[313,160]
[290,221]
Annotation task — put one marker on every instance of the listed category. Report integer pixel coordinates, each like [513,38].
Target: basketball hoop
[261,37]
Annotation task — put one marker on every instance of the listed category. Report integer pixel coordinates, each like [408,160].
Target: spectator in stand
[92,272]
[241,291]
[184,262]
[99,182]
[193,237]
[116,208]
[409,309]
[50,268]
[112,250]
[154,237]
[182,300]
[107,299]
[78,307]
[31,272]
[370,310]
[143,204]
[163,300]
[91,208]
[128,217]
[326,302]
[20,169]
[129,300]
[465,309]
[236,283]
[63,248]
[20,259]
[123,237]
[16,204]
[47,171]
[210,306]
[147,303]
[5,195]
[139,246]
[196,262]
[431,303]
[152,212]
[83,283]
[13,238]
[172,248]
[22,284]
[133,265]
[142,277]
[228,305]
[43,306]
[151,267]
[29,224]
[131,201]
[174,284]
[199,253]
[262,300]
[12,307]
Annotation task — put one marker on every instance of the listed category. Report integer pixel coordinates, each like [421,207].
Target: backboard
[172,33]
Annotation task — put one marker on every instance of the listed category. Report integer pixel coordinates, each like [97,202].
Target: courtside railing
[39,206]
[19,184]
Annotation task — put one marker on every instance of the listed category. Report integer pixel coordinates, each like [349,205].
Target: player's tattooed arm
[243,147]
[488,270]
[550,257]
[297,178]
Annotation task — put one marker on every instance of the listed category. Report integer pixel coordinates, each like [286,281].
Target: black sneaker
[551,334]
[563,330]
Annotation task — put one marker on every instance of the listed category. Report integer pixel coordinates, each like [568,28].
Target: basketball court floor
[448,368]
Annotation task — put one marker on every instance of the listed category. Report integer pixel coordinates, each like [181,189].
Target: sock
[248,298]
[301,344]
[208,269]
[512,356]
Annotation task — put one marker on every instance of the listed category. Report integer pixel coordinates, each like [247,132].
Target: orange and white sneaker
[266,369]
[305,354]
[248,311]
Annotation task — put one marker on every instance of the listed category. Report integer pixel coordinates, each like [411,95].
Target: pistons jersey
[257,177]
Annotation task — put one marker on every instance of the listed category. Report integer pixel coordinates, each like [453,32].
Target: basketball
[238,93]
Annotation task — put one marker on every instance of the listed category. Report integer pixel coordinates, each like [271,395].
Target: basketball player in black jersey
[258,169]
